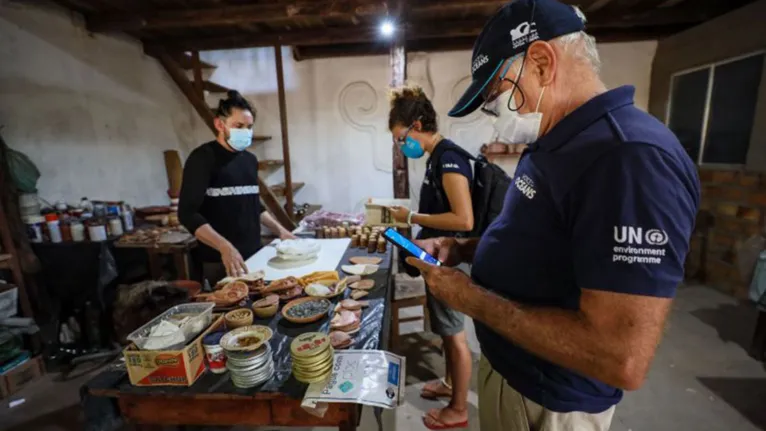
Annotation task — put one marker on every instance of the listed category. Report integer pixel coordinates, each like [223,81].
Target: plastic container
[115,226]
[29,205]
[127,218]
[66,231]
[96,230]
[78,231]
[34,226]
[200,313]
[54,231]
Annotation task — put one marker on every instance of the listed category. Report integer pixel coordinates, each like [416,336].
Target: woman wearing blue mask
[445,209]
[219,201]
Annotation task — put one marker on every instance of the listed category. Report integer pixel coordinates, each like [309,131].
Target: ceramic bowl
[238,318]
[246,338]
[267,311]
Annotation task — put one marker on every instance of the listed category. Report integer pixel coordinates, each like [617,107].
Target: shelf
[261,138]
[270,164]
[213,87]
[5,261]
[279,189]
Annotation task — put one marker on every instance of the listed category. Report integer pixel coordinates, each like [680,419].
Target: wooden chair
[408,292]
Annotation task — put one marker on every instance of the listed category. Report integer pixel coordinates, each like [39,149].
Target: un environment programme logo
[636,245]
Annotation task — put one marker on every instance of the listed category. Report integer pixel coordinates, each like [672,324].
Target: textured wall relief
[472,130]
[358,104]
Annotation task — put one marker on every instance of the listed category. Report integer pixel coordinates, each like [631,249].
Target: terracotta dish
[229,295]
[253,280]
[340,340]
[293,293]
[319,308]
[246,338]
[238,318]
[286,283]
[365,260]
[358,294]
[363,285]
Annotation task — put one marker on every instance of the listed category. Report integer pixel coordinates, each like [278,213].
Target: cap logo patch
[479,62]
[523,34]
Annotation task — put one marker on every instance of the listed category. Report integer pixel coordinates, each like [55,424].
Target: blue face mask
[412,148]
[240,139]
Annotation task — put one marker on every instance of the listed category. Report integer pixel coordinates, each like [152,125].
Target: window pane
[687,108]
[732,110]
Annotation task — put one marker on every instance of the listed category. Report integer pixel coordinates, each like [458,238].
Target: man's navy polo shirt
[606,200]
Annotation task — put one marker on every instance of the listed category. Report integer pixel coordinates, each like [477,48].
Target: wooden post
[197,69]
[283,122]
[401,174]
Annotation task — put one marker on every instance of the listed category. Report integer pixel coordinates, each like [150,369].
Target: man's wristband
[409,217]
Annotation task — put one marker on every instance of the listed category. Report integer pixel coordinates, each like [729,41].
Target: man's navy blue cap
[507,34]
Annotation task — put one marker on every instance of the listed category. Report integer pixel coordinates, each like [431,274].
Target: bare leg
[458,358]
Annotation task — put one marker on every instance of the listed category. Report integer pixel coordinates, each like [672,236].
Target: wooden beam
[179,77]
[283,125]
[197,70]
[401,176]
[328,36]
[231,15]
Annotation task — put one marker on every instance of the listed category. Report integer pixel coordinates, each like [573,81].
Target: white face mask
[512,127]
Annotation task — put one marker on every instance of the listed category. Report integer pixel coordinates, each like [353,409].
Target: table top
[113,380]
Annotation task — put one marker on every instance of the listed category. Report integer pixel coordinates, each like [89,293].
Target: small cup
[216,357]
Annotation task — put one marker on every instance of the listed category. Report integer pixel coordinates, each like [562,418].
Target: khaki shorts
[501,408]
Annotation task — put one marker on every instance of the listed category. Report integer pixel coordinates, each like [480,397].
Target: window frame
[708,97]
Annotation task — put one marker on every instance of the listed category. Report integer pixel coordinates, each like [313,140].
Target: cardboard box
[169,367]
[21,375]
[377,214]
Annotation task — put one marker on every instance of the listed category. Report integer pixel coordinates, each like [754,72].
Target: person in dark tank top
[445,209]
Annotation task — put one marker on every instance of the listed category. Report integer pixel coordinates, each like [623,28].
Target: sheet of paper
[371,377]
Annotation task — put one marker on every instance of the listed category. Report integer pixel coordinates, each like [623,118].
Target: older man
[572,283]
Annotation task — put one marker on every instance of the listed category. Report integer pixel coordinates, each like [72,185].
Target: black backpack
[490,182]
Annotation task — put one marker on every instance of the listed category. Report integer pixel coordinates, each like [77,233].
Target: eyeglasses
[490,96]
[400,140]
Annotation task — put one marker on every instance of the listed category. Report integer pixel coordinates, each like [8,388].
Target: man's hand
[445,250]
[232,261]
[399,213]
[448,285]
[286,234]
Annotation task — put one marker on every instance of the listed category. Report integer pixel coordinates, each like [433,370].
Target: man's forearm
[467,248]
[443,221]
[211,238]
[560,336]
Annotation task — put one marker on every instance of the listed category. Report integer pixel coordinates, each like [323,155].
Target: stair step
[270,164]
[185,61]
[214,88]
[5,261]
[279,189]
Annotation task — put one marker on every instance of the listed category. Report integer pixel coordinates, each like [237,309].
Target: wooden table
[180,252]
[213,400]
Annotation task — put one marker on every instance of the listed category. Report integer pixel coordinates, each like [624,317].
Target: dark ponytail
[233,100]
[409,104]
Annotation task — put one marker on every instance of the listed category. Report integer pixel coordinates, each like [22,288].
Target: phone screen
[400,241]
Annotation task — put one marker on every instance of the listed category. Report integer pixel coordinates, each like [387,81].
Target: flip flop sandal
[442,426]
[432,395]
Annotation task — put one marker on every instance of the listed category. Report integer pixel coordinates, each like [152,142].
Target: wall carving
[358,104]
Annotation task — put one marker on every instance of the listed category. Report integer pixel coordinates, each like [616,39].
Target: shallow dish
[360,269]
[233,341]
[322,308]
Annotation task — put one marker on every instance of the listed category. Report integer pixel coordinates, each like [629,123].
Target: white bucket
[29,205]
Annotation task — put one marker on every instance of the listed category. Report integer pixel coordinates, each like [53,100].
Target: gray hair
[581,44]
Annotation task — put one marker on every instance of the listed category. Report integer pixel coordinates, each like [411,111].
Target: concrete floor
[702,379]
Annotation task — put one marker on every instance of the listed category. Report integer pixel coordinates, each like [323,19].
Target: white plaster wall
[93,112]
[337,111]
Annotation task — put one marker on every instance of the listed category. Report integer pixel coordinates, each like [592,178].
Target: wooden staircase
[177,65]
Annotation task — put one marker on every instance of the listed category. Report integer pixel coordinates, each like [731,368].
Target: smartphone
[397,239]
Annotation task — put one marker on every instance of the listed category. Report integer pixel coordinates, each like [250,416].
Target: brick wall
[736,204]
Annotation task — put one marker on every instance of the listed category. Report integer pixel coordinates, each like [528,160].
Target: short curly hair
[409,104]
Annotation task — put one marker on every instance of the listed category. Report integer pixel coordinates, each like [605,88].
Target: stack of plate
[248,355]
[312,357]
[250,369]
